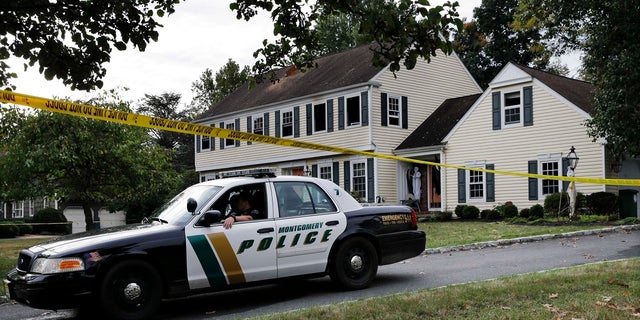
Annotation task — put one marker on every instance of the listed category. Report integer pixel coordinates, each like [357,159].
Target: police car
[307,227]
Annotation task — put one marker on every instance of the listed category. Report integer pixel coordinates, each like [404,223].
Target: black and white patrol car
[308,227]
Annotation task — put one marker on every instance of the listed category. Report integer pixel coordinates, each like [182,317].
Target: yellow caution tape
[88,111]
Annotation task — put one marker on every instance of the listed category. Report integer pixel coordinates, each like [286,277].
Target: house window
[319,117]
[18,209]
[353,111]
[205,143]
[258,125]
[287,124]
[549,168]
[229,142]
[512,109]
[476,185]
[359,178]
[326,171]
[393,111]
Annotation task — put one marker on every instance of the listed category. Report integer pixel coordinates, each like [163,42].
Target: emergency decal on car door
[217,259]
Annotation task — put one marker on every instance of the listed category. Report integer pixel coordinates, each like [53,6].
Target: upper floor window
[205,143]
[229,142]
[287,123]
[319,117]
[393,111]
[353,111]
[258,125]
[512,110]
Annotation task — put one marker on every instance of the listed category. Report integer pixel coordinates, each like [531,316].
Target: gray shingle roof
[335,71]
[439,123]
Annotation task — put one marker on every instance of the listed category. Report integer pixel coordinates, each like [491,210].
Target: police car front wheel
[355,264]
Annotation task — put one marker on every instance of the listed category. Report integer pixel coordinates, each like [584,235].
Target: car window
[302,198]
[175,210]
[257,198]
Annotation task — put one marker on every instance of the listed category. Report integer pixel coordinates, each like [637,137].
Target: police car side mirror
[192,204]
[210,217]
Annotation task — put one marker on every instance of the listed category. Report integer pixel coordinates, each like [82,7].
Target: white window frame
[505,108]
[346,111]
[231,125]
[325,170]
[315,119]
[394,111]
[468,182]
[254,119]
[18,209]
[363,163]
[282,123]
[545,159]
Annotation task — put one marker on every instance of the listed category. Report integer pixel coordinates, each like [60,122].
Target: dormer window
[512,110]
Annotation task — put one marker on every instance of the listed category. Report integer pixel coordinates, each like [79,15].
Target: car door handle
[332,222]
[265,230]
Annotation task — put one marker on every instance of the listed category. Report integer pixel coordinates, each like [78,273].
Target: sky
[200,34]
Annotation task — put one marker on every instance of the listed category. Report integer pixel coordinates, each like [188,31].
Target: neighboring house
[343,102]
[526,121]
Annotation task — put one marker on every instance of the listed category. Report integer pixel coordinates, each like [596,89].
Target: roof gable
[335,71]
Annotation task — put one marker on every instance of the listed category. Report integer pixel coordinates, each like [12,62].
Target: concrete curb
[506,242]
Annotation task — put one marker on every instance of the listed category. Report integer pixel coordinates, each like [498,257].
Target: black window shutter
[336,172]
[370,180]
[347,176]
[383,109]
[462,183]
[198,143]
[330,115]
[314,170]
[212,141]
[405,112]
[296,122]
[266,124]
[491,183]
[528,105]
[495,110]
[341,113]
[278,124]
[565,165]
[364,102]
[533,182]
[237,128]
[309,119]
[249,127]
[221,139]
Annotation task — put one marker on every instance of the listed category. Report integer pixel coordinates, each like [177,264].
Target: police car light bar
[256,173]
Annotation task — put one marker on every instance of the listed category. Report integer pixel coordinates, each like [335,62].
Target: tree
[607,32]
[404,31]
[209,90]
[337,33]
[71,40]
[83,161]
[489,42]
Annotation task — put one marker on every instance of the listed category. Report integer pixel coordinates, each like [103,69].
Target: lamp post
[572,159]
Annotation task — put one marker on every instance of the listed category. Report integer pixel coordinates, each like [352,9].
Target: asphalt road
[435,269]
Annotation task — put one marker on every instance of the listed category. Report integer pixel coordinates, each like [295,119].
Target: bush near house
[8,229]
[443,216]
[525,213]
[23,226]
[50,221]
[510,210]
[458,210]
[602,203]
[536,212]
[490,214]
[470,212]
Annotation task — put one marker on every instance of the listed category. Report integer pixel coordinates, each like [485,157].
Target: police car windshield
[175,210]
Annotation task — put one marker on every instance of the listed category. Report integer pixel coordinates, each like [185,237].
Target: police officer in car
[242,210]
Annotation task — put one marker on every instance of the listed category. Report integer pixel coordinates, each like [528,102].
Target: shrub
[8,229]
[510,211]
[50,220]
[602,203]
[470,212]
[458,210]
[536,211]
[553,203]
[443,216]
[490,214]
[524,213]
[23,227]
[628,220]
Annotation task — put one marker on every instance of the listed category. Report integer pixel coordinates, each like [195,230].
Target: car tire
[131,289]
[355,264]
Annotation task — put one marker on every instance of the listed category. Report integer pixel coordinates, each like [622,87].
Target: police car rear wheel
[355,264]
[131,290]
